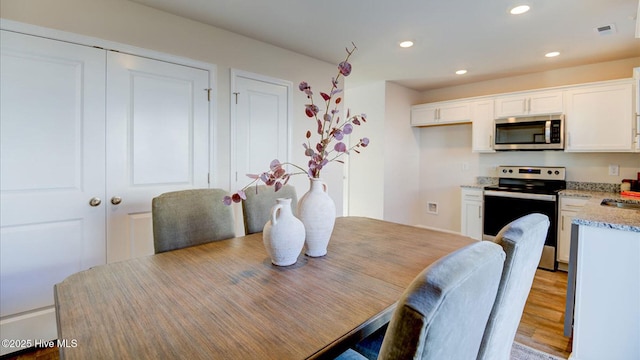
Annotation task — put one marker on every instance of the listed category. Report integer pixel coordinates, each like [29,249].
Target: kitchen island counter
[603,290]
[597,215]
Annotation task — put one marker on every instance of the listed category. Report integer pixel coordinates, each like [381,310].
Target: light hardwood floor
[542,323]
[541,326]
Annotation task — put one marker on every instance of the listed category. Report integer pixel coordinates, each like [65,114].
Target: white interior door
[260,111]
[157,141]
[52,162]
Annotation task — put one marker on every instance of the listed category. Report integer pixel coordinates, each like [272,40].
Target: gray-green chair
[522,241]
[443,313]
[190,217]
[256,209]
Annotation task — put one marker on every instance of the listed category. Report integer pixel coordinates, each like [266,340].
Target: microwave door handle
[547,132]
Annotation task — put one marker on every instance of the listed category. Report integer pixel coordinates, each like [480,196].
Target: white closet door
[157,141]
[52,161]
[260,114]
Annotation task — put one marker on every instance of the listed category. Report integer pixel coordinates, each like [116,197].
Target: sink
[623,204]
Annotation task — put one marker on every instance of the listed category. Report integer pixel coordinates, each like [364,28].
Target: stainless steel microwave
[529,133]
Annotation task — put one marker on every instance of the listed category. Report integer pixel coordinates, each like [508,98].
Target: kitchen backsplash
[486,180]
[589,186]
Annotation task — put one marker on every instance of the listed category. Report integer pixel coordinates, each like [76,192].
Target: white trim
[234,74]
[58,35]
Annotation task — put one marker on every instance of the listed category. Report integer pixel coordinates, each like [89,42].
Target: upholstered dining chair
[190,217]
[522,241]
[444,311]
[256,209]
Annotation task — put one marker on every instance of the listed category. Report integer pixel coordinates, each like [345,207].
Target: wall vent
[606,29]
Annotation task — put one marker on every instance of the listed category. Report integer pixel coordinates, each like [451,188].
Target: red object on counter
[630,193]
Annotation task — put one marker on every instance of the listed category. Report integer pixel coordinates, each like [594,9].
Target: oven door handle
[519,195]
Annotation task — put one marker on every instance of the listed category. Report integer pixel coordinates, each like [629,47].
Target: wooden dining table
[225,300]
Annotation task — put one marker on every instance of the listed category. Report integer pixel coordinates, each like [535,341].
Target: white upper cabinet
[482,126]
[600,118]
[441,113]
[529,103]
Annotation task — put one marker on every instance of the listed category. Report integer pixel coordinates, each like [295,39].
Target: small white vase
[283,234]
[317,211]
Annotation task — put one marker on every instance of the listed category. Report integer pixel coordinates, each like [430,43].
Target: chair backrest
[443,313]
[190,217]
[522,241]
[256,209]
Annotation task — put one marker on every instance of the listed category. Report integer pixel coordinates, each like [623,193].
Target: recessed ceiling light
[521,9]
[552,54]
[406,44]
[461,72]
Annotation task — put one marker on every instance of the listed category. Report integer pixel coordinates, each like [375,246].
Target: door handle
[95,201]
[116,200]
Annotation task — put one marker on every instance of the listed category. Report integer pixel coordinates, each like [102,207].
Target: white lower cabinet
[569,207]
[471,213]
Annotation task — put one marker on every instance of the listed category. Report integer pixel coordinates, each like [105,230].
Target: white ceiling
[477,35]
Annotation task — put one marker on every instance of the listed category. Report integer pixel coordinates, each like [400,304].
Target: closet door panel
[157,141]
[52,161]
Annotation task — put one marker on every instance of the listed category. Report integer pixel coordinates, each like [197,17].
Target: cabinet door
[52,164]
[569,207]
[471,213]
[424,114]
[513,105]
[482,126]
[564,235]
[530,103]
[455,112]
[600,118]
[157,141]
[546,102]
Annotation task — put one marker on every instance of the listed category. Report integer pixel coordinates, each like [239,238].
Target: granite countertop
[594,214]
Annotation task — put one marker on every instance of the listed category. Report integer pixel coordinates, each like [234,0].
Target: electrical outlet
[614,170]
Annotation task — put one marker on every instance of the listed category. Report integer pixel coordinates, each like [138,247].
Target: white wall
[365,177]
[383,179]
[401,157]
[133,24]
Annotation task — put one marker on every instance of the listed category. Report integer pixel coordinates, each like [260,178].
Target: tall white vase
[318,214]
[283,235]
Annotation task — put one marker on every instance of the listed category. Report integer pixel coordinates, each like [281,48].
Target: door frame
[234,74]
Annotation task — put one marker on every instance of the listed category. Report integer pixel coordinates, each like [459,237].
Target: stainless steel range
[524,190]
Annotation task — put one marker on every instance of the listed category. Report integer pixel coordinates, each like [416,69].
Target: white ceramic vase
[283,235]
[317,211]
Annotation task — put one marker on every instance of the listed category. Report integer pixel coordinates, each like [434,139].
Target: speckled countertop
[594,214]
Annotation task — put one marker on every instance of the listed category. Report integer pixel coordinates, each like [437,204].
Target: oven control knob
[549,172]
[510,171]
[504,171]
[557,172]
